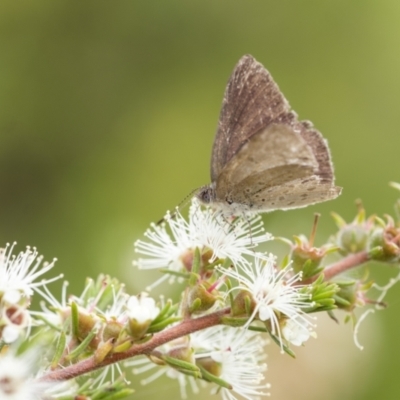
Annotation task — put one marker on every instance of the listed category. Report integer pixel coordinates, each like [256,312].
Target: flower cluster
[236,298]
[103,320]
[17,283]
[224,269]
[232,359]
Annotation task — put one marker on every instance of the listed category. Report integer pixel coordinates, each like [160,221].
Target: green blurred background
[107,116]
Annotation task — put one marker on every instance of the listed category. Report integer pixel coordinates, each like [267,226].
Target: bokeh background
[107,116]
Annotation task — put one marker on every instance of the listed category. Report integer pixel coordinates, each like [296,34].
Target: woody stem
[184,328]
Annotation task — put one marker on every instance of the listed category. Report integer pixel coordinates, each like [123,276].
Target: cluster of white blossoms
[26,359]
[236,297]
[237,356]
[18,276]
[258,294]
[20,372]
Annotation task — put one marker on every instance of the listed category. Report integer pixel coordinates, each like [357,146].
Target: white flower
[142,308]
[117,309]
[274,292]
[17,283]
[239,354]
[206,230]
[227,239]
[55,311]
[98,302]
[10,333]
[18,379]
[296,331]
[18,273]
[13,321]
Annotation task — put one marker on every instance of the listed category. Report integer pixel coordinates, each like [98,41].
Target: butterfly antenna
[178,207]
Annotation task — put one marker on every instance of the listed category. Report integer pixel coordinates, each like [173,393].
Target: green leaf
[161,325]
[82,347]
[258,329]
[75,319]
[342,301]
[196,264]
[60,347]
[165,313]
[183,366]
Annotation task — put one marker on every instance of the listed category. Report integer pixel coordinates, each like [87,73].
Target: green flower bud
[138,329]
[86,324]
[103,350]
[353,237]
[210,365]
[384,243]
[200,299]
[306,258]
[112,330]
[182,352]
[243,304]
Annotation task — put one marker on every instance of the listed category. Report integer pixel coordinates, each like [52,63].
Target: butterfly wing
[252,100]
[263,157]
[277,169]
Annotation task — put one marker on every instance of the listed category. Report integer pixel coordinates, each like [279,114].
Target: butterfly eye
[206,194]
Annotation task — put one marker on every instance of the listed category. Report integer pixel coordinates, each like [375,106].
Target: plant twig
[184,328]
[351,261]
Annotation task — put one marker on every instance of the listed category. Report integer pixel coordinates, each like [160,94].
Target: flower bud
[111,330]
[353,237]
[188,257]
[86,324]
[182,352]
[142,310]
[352,294]
[210,365]
[103,350]
[384,243]
[307,258]
[199,298]
[243,304]
[13,320]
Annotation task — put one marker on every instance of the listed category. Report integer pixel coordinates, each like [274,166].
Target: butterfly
[263,157]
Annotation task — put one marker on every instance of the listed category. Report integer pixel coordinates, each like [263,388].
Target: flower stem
[351,261]
[184,328]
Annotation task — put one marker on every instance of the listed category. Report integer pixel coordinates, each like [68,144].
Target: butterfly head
[206,194]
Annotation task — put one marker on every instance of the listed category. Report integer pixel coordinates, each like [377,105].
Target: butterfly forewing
[252,100]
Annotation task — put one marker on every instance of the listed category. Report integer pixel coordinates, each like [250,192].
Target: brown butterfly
[263,157]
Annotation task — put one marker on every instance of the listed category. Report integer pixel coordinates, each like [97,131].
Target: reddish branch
[184,328]
[351,261]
